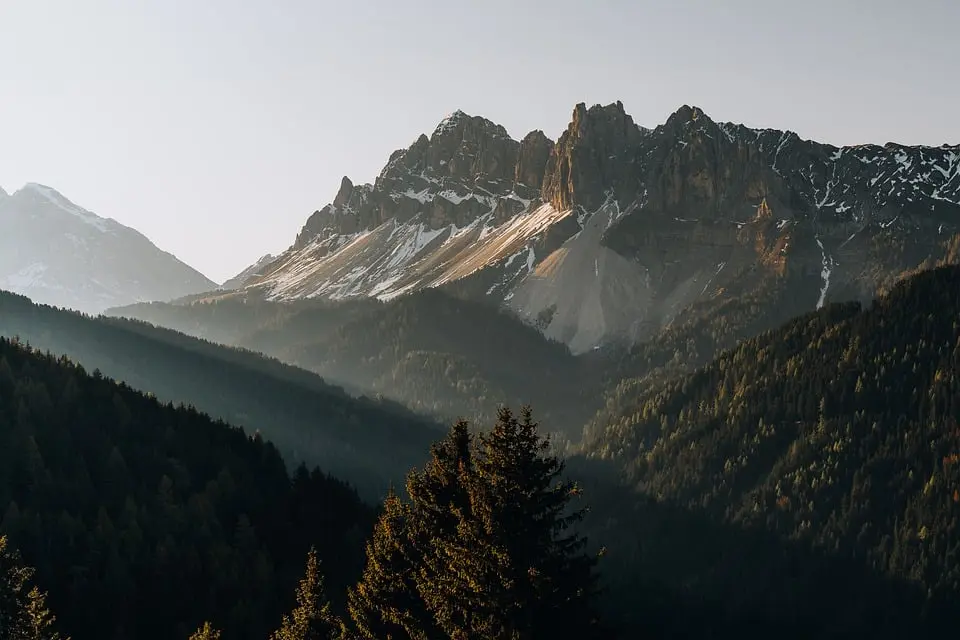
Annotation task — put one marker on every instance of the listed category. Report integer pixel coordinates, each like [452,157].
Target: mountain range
[58,253]
[745,345]
[615,231]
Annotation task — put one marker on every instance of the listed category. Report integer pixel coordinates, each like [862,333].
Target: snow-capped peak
[57,252]
[37,191]
[450,122]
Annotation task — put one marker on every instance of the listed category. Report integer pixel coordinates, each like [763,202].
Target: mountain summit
[616,231]
[58,253]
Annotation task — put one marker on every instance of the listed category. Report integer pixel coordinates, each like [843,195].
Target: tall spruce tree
[440,501]
[483,550]
[389,602]
[312,618]
[515,570]
[384,604]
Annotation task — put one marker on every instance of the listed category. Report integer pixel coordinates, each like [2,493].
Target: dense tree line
[370,443]
[833,439]
[142,519]
[482,548]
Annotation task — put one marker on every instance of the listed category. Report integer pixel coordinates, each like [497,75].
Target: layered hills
[368,443]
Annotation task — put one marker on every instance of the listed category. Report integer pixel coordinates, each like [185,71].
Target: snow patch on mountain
[395,258]
[825,272]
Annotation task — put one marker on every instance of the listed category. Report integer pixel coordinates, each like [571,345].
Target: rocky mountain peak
[464,148]
[343,195]
[534,153]
[596,156]
[460,124]
[343,215]
[634,225]
[687,114]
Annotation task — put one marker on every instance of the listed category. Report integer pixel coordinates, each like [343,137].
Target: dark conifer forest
[803,483]
[368,442]
[142,519]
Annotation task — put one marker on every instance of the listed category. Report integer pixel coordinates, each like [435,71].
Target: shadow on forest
[669,572]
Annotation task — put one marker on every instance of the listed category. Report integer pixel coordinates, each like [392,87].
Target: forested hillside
[431,351]
[148,521]
[831,445]
[143,519]
[369,443]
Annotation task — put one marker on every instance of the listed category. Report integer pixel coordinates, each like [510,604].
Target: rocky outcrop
[464,170]
[535,151]
[348,213]
[596,158]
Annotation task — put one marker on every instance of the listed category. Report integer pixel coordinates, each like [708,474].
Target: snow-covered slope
[615,231]
[56,252]
[398,257]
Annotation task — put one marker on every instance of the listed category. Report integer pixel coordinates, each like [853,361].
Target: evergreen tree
[312,618]
[385,604]
[23,611]
[206,632]
[440,499]
[514,570]
[483,549]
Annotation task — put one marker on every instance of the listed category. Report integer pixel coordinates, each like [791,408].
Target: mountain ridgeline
[612,232]
[645,251]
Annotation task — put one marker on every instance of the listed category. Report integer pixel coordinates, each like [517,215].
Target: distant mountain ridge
[614,231]
[58,253]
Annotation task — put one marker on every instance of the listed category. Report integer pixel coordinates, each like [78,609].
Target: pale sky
[215,127]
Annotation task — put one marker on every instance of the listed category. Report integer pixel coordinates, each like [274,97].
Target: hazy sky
[216,127]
